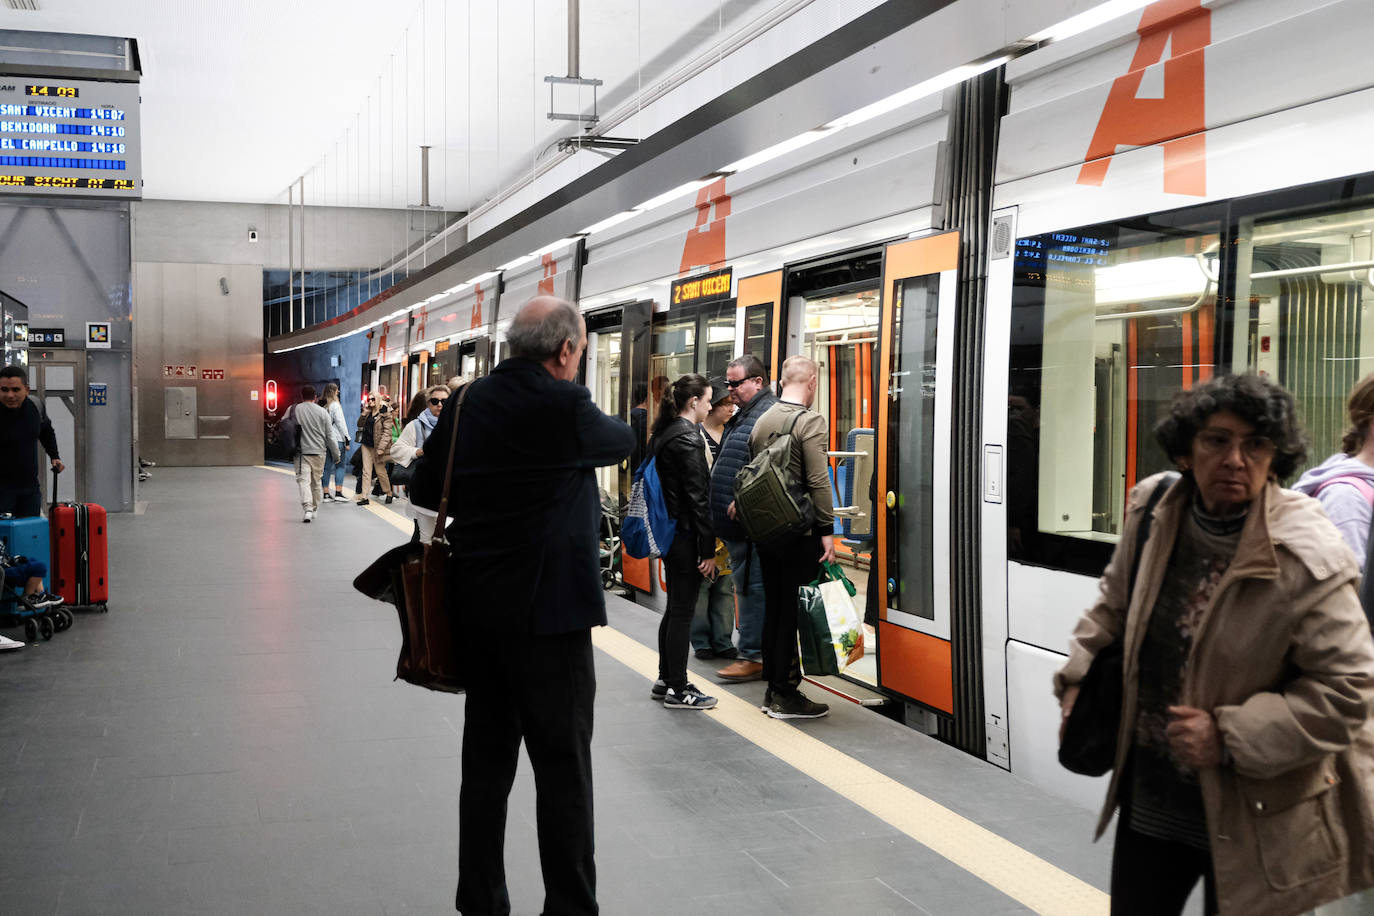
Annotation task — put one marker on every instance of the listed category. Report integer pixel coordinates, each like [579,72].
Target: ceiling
[242,97]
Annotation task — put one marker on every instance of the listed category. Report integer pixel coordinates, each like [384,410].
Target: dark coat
[525,505]
[734,455]
[681,453]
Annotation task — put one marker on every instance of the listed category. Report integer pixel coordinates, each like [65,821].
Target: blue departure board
[72,137]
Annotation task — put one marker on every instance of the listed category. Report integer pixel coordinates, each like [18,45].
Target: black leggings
[1153,877]
[675,629]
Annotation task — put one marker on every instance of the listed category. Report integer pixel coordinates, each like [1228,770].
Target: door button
[891,499]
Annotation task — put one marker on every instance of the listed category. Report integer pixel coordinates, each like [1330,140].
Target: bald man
[791,562]
[526,575]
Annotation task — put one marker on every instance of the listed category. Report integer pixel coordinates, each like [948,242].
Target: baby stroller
[612,577]
[42,617]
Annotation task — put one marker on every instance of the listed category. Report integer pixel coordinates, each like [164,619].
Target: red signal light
[271,398]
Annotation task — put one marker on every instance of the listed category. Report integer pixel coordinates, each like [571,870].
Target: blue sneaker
[687,698]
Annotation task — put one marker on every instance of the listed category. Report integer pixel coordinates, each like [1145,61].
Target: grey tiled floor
[228,739]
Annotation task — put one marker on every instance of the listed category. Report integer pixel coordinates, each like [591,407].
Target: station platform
[229,739]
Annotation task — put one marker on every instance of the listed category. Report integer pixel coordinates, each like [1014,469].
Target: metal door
[179,412]
[914,423]
[58,379]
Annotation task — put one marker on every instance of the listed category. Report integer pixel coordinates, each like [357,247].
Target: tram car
[1002,281]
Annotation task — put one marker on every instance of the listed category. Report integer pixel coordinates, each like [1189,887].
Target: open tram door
[912,511]
[475,357]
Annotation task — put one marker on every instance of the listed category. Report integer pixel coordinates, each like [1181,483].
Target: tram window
[720,343]
[758,331]
[1108,323]
[1304,294]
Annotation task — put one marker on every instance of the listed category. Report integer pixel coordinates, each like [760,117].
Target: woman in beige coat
[1246,751]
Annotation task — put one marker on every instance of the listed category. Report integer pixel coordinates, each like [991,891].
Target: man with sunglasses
[747,379]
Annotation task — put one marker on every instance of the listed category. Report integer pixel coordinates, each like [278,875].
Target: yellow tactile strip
[1026,878]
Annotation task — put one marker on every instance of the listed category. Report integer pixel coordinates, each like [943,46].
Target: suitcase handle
[53,504]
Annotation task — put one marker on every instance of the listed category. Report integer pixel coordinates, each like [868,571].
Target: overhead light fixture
[776,150]
[681,190]
[511,265]
[1148,281]
[1088,19]
[554,246]
[609,221]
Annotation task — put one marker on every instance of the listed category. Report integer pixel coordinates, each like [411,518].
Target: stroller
[612,573]
[39,620]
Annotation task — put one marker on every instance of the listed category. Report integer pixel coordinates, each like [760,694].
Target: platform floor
[228,739]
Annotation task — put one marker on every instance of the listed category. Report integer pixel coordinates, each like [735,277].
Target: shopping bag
[830,635]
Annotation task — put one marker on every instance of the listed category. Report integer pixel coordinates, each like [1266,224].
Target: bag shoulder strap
[1359,483]
[1144,525]
[440,524]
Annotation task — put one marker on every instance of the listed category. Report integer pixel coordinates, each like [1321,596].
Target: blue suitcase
[28,537]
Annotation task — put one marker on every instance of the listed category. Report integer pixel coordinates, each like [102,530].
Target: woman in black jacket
[686,482]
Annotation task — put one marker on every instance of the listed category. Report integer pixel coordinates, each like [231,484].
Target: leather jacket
[686,482]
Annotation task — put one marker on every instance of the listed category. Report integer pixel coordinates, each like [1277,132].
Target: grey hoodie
[1347,507]
[316,435]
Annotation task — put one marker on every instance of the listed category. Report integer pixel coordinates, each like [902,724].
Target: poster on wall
[97,335]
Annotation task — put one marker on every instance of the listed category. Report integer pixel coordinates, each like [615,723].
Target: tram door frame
[481,349]
[632,320]
[915,656]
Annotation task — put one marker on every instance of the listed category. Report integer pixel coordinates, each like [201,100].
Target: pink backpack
[1358,483]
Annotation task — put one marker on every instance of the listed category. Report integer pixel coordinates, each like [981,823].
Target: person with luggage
[315,439]
[374,439]
[23,427]
[1344,483]
[338,426]
[525,532]
[747,380]
[675,441]
[411,447]
[791,561]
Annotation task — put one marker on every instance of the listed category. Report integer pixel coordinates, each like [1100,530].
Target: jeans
[787,566]
[1155,877]
[21,502]
[543,694]
[748,581]
[713,624]
[680,569]
[334,468]
[308,470]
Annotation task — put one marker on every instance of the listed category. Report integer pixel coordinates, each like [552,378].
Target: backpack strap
[1359,483]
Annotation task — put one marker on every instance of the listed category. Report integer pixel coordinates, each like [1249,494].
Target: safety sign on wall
[97,394]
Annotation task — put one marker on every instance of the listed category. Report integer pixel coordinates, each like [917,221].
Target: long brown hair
[675,398]
[1360,407]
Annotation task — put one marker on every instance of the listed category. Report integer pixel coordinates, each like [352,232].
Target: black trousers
[1153,877]
[542,694]
[675,629]
[787,566]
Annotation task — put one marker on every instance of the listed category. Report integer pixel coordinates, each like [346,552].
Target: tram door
[912,515]
[474,357]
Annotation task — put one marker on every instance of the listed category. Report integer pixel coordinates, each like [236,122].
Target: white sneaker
[7,643]
[309,514]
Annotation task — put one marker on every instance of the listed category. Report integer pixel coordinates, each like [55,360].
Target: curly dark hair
[1259,401]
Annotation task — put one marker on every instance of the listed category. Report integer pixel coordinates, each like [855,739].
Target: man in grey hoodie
[314,437]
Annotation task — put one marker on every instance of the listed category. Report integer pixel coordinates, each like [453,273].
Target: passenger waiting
[675,440]
[713,624]
[410,447]
[1244,753]
[1344,483]
[338,426]
[792,561]
[374,440]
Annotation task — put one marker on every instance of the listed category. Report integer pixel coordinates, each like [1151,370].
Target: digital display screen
[49,145]
[705,288]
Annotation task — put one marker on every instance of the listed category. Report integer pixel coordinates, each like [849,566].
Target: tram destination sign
[76,138]
[710,287]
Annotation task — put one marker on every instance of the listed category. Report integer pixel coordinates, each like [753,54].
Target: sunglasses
[737,382]
[437,401]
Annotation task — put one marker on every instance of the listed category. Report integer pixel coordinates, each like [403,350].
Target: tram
[1002,283]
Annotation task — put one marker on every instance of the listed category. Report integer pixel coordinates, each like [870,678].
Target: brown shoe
[742,670]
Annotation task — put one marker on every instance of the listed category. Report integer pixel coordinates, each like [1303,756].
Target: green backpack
[770,502]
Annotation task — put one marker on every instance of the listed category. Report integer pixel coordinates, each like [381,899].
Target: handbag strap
[439,524]
[1143,528]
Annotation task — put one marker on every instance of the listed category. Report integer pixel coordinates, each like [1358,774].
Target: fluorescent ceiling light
[610,221]
[1089,19]
[911,94]
[553,246]
[511,265]
[776,150]
[681,190]
[482,278]
[1145,281]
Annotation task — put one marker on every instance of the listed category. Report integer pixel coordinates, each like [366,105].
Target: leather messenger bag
[413,577]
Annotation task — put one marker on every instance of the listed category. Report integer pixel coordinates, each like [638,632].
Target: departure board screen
[73,137]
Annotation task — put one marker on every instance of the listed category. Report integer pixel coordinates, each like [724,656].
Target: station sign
[48,337]
[711,287]
[78,138]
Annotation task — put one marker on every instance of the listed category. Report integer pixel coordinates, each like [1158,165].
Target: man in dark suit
[525,588]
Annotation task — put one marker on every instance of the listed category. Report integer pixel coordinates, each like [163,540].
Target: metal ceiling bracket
[573,116]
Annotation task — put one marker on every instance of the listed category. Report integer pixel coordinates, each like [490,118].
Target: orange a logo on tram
[1178,118]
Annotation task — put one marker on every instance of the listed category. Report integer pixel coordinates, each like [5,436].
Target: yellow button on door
[891,499]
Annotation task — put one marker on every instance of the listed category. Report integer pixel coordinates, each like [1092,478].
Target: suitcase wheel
[104,607]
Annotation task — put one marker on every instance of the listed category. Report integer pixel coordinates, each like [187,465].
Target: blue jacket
[734,455]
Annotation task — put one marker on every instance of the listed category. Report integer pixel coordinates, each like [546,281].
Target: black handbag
[1094,724]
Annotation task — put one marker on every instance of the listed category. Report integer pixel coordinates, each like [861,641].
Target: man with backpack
[747,380]
[790,560]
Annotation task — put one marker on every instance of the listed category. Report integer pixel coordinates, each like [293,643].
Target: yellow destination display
[705,288]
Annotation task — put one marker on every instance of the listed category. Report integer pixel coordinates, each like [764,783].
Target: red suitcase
[80,554]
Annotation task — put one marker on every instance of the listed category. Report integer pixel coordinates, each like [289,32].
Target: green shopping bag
[830,633]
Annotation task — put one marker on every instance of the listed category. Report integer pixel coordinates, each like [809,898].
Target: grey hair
[542,338]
